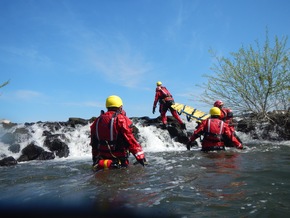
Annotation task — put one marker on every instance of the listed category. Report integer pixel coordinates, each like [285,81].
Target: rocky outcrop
[34,152]
[276,128]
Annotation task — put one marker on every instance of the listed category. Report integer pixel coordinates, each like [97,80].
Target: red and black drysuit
[227,117]
[214,132]
[165,101]
[112,140]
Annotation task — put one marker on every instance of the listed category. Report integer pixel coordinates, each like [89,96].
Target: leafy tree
[252,80]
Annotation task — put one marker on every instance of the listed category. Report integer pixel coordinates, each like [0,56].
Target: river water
[254,182]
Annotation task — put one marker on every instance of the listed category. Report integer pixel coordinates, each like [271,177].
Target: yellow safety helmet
[159,83]
[215,111]
[114,101]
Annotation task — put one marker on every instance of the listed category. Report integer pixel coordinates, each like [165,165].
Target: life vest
[110,145]
[165,95]
[223,115]
[214,130]
[226,115]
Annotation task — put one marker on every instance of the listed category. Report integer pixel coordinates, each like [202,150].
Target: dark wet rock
[173,127]
[276,126]
[55,144]
[77,121]
[30,152]
[45,155]
[8,161]
[46,133]
[34,152]
[54,126]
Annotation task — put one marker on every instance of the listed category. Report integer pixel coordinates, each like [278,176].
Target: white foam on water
[77,138]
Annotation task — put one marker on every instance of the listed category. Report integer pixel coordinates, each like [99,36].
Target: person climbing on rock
[165,99]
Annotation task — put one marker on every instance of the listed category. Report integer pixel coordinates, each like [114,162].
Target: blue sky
[64,57]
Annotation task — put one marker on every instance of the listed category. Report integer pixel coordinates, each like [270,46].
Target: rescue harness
[214,136]
[112,143]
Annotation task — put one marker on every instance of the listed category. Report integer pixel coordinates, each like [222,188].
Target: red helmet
[230,113]
[218,104]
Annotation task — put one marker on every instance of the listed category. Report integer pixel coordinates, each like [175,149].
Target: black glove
[191,144]
[188,145]
[143,162]
[153,110]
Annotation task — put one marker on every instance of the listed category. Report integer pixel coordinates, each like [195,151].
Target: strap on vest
[112,143]
[111,129]
[215,135]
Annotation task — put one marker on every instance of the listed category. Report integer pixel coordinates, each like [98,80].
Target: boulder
[34,152]
[77,121]
[56,145]
[8,161]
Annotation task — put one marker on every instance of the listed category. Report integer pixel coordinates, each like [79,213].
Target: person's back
[213,129]
[112,138]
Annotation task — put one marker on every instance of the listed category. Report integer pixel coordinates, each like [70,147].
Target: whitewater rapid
[77,138]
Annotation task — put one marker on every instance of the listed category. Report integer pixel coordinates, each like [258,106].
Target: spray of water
[77,138]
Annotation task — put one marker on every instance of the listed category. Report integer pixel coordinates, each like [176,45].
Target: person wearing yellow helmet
[112,138]
[159,83]
[114,101]
[165,99]
[215,112]
[215,133]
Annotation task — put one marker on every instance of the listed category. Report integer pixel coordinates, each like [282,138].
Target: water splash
[77,138]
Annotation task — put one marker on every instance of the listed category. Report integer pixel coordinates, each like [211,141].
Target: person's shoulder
[202,123]
[124,120]
[122,116]
[226,125]
[227,109]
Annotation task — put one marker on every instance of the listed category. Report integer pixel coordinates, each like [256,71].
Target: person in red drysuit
[214,131]
[227,116]
[226,113]
[165,99]
[112,138]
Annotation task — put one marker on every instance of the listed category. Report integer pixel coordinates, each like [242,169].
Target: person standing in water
[112,138]
[215,132]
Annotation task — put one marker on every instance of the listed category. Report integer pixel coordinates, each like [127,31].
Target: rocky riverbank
[275,128]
